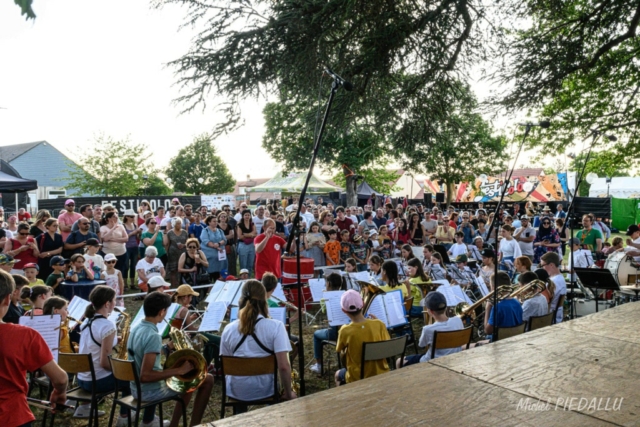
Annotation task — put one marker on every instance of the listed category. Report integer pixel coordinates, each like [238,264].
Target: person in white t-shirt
[509,250]
[581,257]
[535,306]
[436,305]
[148,267]
[525,236]
[551,263]
[459,247]
[259,218]
[255,335]
[305,216]
[430,224]
[633,244]
[238,215]
[350,213]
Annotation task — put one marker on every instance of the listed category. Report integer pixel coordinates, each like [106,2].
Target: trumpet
[121,352]
[529,290]
[467,312]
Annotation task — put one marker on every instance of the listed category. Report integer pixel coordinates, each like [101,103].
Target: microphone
[339,80]
[544,124]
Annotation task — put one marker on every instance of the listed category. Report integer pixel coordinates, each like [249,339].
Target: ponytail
[34,292]
[253,302]
[99,296]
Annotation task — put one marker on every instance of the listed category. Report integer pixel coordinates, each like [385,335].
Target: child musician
[333,282]
[58,305]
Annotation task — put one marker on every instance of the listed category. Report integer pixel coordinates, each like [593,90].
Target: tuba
[529,290]
[185,353]
[467,312]
[121,351]
[369,291]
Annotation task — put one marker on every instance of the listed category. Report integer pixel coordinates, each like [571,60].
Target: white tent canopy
[621,188]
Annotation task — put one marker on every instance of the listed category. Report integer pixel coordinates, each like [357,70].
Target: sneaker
[156,423]
[316,368]
[124,421]
[84,411]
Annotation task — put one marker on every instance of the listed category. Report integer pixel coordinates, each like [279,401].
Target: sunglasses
[110,262]
[546,223]
[71,204]
[152,222]
[24,234]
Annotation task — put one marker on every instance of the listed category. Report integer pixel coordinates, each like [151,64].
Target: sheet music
[278,313]
[77,307]
[279,293]
[48,326]
[162,326]
[230,292]
[114,316]
[377,309]
[215,290]
[213,317]
[441,282]
[335,315]
[483,286]
[393,302]
[317,287]
[139,317]
[451,296]
[461,295]
[417,252]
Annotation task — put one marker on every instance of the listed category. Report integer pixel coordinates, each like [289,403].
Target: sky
[81,69]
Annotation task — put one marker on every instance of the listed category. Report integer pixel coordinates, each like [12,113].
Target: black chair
[124,370]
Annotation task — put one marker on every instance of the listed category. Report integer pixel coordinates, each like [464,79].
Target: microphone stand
[570,211]
[497,221]
[295,230]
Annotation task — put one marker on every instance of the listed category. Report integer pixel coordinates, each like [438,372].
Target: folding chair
[450,339]
[509,332]
[248,367]
[73,363]
[537,322]
[124,370]
[380,350]
[560,304]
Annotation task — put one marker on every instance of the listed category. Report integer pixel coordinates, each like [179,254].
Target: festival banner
[544,188]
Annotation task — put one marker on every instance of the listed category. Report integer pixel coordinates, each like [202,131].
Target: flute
[291,306]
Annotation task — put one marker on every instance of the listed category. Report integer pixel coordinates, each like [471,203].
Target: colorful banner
[545,188]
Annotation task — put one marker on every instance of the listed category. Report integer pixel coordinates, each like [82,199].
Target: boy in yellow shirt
[351,337]
[31,273]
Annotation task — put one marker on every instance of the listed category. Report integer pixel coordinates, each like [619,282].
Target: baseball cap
[243,271]
[31,265]
[158,282]
[351,301]
[462,258]
[56,260]
[69,201]
[186,290]
[435,301]
[488,253]
[6,259]
[110,257]
[575,241]
[93,242]
[632,229]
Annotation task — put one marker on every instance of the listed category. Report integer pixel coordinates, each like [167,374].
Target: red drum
[290,270]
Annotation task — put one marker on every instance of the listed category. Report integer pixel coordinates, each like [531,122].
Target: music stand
[443,252]
[595,279]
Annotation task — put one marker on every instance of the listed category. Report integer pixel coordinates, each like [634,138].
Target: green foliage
[610,163]
[109,168]
[377,176]
[26,8]
[574,61]
[199,160]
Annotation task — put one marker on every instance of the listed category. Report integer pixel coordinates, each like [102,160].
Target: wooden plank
[618,323]
[557,363]
[424,395]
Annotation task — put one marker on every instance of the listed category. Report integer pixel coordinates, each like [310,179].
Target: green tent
[292,184]
[625,212]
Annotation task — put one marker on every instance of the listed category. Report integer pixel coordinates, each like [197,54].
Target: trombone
[467,313]
[529,290]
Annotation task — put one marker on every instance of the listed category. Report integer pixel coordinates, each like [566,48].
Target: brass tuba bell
[185,353]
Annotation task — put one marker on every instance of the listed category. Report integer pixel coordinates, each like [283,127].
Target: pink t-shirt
[68,219]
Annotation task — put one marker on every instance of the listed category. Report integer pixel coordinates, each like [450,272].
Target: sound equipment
[427,200]
[439,197]
[334,195]
[599,206]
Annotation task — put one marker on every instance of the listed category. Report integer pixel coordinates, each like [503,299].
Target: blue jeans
[106,384]
[161,393]
[130,263]
[247,255]
[323,335]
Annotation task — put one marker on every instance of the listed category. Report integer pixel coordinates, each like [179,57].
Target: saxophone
[121,350]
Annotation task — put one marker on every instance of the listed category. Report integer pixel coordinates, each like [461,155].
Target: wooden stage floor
[560,375]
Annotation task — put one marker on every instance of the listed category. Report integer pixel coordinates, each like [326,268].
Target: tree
[199,161]
[26,8]
[456,147]
[110,167]
[574,61]
[376,175]
[609,163]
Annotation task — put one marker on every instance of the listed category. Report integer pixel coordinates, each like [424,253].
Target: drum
[620,266]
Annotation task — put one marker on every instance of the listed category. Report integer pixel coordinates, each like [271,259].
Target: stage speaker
[600,207]
[439,197]
[334,195]
[427,200]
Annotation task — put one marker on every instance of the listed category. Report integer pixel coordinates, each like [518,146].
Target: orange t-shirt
[332,250]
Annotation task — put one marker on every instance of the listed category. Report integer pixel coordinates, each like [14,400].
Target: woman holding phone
[547,240]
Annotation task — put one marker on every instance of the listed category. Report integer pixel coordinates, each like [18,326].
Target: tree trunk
[352,195]
[451,188]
